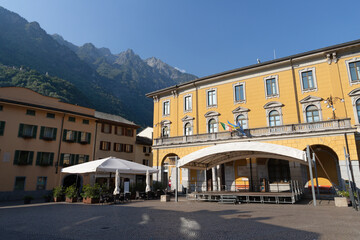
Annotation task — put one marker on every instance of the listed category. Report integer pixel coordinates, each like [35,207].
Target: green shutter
[42,129]
[77,159]
[34,132]
[2,127]
[51,159]
[86,158]
[72,159]
[16,158]
[21,129]
[31,157]
[61,160]
[38,156]
[78,137]
[64,135]
[88,137]
[54,133]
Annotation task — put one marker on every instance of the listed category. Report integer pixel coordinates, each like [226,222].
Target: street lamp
[330,101]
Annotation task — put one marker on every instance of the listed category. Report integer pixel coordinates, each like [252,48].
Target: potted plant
[58,194]
[71,194]
[91,194]
[47,198]
[27,199]
[342,200]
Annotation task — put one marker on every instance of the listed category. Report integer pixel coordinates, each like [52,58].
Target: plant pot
[58,199]
[341,202]
[90,200]
[71,200]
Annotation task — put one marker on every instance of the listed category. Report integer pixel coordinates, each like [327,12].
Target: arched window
[274,118]
[312,114]
[358,108]
[165,131]
[212,126]
[242,120]
[187,129]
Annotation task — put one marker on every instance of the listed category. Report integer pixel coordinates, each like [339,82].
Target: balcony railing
[330,125]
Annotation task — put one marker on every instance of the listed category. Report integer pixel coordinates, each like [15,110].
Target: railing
[330,125]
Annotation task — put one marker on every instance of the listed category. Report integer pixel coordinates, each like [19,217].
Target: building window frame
[41,183]
[212,115]
[241,111]
[50,115]
[30,112]
[311,100]
[165,125]
[48,133]
[16,188]
[273,106]
[105,146]
[187,106]
[166,108]
[240,84]
[44,158]
[27,131]
[312,117]
[347,63]
[188,120]
[23,157]
[213,103]
[276,79]
[313,71]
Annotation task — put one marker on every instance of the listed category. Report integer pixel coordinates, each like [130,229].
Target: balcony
[302,128]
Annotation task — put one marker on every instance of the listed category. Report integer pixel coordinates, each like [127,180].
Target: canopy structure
[221,153]
[110,164]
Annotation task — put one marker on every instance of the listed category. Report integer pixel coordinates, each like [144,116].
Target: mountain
[112,83]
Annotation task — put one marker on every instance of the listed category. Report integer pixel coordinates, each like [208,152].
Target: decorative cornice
[273,104]
[354,92]
[187,118]
[212,114]
[240,110]
[311,98]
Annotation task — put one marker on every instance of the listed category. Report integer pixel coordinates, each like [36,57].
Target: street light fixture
[330,101]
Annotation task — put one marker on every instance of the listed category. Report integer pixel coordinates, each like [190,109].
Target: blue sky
[202,37]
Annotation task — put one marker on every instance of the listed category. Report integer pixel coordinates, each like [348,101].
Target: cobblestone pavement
[183,220]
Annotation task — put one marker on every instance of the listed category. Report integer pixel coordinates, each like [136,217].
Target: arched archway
[327,166]
[71,180]
[167,165]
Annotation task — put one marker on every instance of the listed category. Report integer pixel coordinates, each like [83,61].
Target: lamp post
[330,101]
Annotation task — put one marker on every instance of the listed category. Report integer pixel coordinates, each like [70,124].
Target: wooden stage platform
[246,197]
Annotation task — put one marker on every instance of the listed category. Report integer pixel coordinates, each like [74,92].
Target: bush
[58,192]
[28,198]
[71,191]
[91,191]
[159,185]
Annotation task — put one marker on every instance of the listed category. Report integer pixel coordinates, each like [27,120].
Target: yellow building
[312,98]
[40,135]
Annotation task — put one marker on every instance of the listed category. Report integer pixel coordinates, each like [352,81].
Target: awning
[222,153]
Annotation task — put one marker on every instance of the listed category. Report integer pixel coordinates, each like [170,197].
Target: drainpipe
[96,129]
[295,91]
[197,109]
[59,148]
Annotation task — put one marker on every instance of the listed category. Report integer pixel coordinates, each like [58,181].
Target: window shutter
[108,146]
[76,159]
[51,159]
[88,137]
[34,131]
[123,131]
[77,137]
[110,127]
[54,133]
[86,158]
[64,134]
[21,129]
[131,148]
[42,129]
[102,127]
[16,158]
[115,128]
[38,156]
[31,157]
[61,160]
[2,127]
[72,158]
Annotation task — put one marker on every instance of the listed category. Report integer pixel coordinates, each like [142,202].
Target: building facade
[40,135]
[311,98]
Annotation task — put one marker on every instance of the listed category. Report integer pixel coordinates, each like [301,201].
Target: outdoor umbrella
[147,189]
[117,182]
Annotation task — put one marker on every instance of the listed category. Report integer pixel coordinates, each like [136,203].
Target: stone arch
[167,165]
[71,179]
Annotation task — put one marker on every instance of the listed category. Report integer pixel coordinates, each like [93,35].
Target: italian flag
[226,127]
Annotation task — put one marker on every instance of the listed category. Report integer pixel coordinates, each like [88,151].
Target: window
[165,132]
[307,80]
[105,145]
[48,133]
[30,112]
[187,103]
[166,108]
[1,107]
[84,137]
[242,120]
[41,183]
[129,132]
[145,162]
[23,157]
[119,130]
[2,128]
[118,147]
[144,149]
[239,93]
[67,159]
[105,128]
[212,126]
[44,159]
[128,148]
[274,118]
[86,121]
[271,88]
[19,183]
[354,68]
[82,158]
[71,119]
[312,114]
[188,129]
[69,135]
[211,98]
[27,131]
[50,115]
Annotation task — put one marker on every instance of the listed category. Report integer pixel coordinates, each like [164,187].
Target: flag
[226,127]
[238,128]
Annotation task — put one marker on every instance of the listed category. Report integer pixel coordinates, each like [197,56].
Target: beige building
[39,135]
